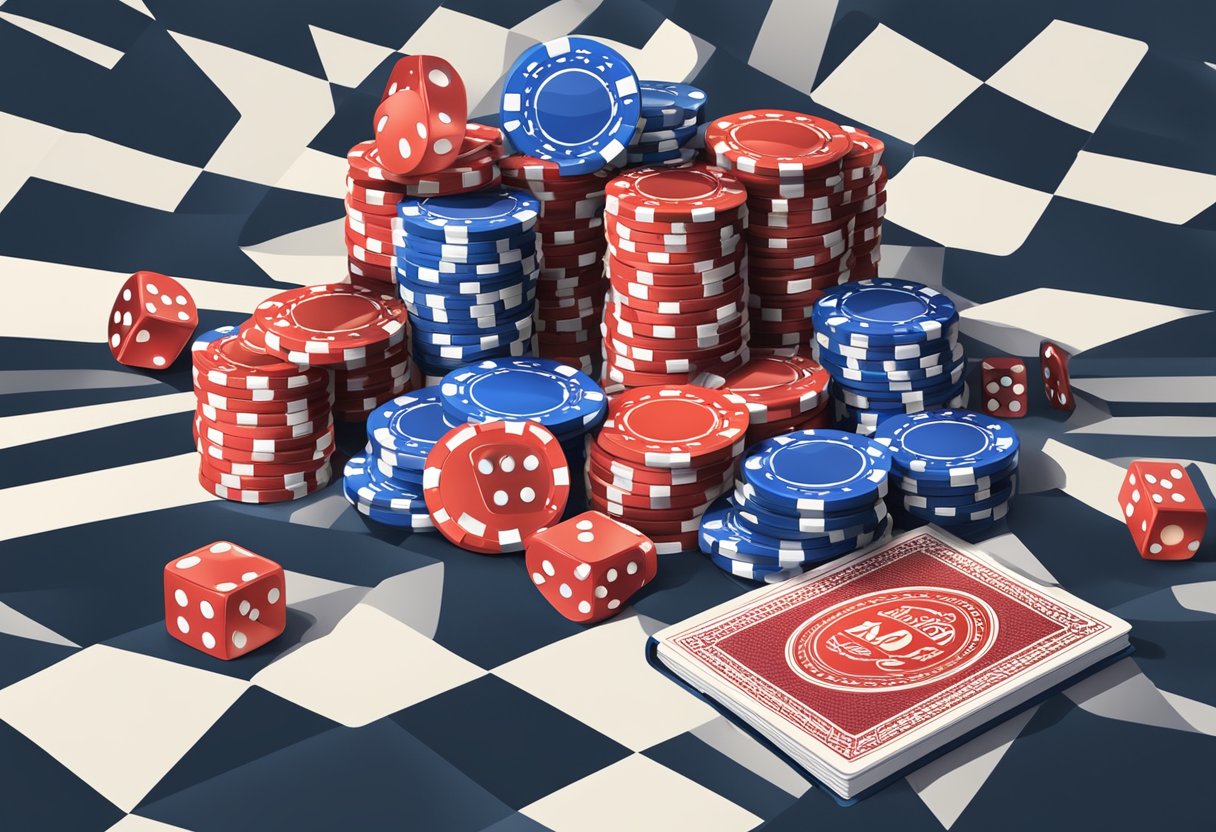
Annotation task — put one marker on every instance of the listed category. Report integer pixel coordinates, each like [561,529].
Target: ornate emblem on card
[894,639]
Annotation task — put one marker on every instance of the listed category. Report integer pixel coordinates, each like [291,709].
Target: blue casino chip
[468,329]
[862,380]
[681,135]
[481,215]
[557,396]
[817,471]
[797,527]
[884,312]
[403,519]
[483,317]
[361,483]
[933,507]
[950,353]
[434,270]
[572,101]
[501,299]
[765,569]
[724,531]
[405,429]
[461,284]
[667,100]
[949,446]
[929,351]
[483,339]
[491,258]
[456,251]
[201,341]
[932,488]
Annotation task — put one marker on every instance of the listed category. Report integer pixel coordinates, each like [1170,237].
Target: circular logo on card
[893,639]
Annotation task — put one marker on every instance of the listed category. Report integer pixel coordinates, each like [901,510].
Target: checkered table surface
[1052,166]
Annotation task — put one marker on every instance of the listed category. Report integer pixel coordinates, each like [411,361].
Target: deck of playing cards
[861,668]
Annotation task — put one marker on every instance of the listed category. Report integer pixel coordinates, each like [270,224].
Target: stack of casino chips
[262,425]
[865,174]
[467,268]
[561,398]
[372,195]
[357,333]
[385,483]
[785,390]
[664,454]
[669,130]
[802,209]
[891,347]
[954,468]
[570,292]
[802,499]
[677,300]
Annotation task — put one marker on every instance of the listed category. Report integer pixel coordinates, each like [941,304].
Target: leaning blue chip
[668,97]
[951,446]
[557,396]
[883,312]
[481,215]
[817,470]
[572,101]
[406,428]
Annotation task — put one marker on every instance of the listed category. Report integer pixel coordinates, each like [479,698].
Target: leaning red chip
[775,384]
[330,323]
[489,487]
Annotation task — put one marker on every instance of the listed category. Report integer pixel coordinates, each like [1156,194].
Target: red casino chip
[372,258]
[330,324]
[297,459]
[272,440]
[713,246]
[649,526]
[615,329]
[775,385]
[652,497]
[537,170]
[242,361]
[291,481]
[669,427]
[676,261]
[679,328]
[661,241]
[317,413]
[237,400]
[698,192]
[865,149]
[571,209]
[568,237]
[276,495]
[683,366]
[775,290]
[657,518]
[776,141]
[490,487]
[673,544]
[676,294]
[378,221]
[715,307]
[677,275]
[647,479]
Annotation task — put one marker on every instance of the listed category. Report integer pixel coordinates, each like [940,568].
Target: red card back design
[919,630]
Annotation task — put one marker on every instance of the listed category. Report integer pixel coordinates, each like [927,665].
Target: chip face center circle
[335,313]
[762,374]
[779,138]
[569,102]
[818,465]
[239,353]
[678,184]
[670,421]
[883,305]
[945,440]
[479,205]
[530,397]
[416,424]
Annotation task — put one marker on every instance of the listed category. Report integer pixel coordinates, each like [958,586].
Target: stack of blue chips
[467,267]
[385,484]
[891,347]
[954,468]
[670,130]
[567,402]
[802,499]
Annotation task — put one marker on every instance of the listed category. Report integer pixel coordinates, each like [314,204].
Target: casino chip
[263,426]
[489,487]
[357,333]
[891,347]
[664,454]
[373,193]
[816,196]
[571,285]
[802,499]
[537,112]
[785,390]
[954,468]
[467,269]
[677,301]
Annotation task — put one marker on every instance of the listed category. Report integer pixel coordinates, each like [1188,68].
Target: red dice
[1053,363]
[1163,511]
[151,322]
[1004,383]
[420,123]
[224,600]
[588,566]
